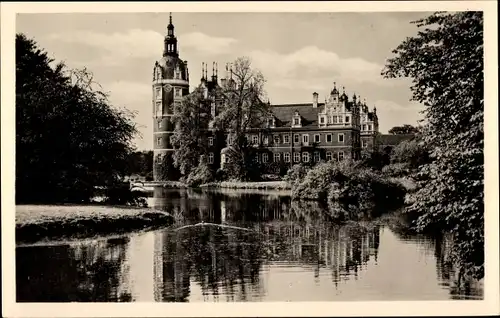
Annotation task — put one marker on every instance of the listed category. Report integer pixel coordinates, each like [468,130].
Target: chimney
[315,100]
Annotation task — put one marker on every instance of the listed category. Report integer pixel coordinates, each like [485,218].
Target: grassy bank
[266,185]
[49,222]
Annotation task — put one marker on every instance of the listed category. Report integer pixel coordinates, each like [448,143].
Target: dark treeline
[69,138]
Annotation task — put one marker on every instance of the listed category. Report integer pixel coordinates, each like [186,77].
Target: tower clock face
[167,88]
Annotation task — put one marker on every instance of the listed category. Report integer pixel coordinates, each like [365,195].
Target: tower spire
[170,41]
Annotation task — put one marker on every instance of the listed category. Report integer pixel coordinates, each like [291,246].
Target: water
[267,248]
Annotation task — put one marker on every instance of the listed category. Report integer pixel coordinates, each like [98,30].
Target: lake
[239,246]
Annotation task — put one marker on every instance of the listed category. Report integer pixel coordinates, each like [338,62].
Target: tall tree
[445,61]
[191,117]
[243,108]
[402,130]
[68,137]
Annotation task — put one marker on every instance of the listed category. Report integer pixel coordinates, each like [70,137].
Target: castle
[339,128]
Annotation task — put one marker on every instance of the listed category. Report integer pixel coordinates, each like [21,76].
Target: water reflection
[292,252]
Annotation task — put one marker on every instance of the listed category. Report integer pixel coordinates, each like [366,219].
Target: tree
[242,108]
[445,61]
[403,130]
[69,139]
[191,118]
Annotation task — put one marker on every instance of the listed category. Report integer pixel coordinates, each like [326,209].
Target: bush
[296,173]
[396,169]
[350,184]
[200,175]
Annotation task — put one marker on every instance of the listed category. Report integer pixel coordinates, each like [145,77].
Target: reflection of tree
[84,272]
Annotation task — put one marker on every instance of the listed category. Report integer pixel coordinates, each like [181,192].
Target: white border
[490,305]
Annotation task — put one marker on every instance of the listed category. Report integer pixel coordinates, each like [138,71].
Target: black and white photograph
[201,156]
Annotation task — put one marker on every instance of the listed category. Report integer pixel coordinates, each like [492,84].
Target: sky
[298,54]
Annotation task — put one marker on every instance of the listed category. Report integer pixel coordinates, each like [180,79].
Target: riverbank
[50,222]
[265,185]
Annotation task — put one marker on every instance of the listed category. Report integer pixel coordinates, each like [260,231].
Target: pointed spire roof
[334,90]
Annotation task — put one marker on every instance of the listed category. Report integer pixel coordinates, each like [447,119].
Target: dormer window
[296,121]
[271,122]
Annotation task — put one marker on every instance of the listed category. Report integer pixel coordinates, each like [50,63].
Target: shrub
[296,173]
[200,175]
[397,169]
[349,184]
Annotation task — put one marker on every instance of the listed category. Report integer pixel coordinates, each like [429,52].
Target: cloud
[205,43]
[314,66]
[116,47]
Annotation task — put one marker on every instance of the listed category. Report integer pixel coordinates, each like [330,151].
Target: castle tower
[170,84]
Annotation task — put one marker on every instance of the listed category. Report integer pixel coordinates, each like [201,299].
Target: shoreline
[35,223]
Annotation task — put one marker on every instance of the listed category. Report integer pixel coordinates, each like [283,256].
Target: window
[158,141]
[276,139]
[335,120]
[364,144]
[276,157]
[177,74]
[177,92]
[305,139]
[341,137]
[211,158]
[328,156]
[305,157]
[296,157]
[364,127]
[159,109]
[257,158]
[369,127]
[264,157]
[296,138]
[316,138]
[296,121]
[159,125]
[330,119]
[322,120]
[329,138]
[286,139]
[286,157]
[158,73]
[347,119]
[159,158]
[316,156]
[229,140]
[265,140]
[158,92]
[255,139]
[341,156]
[210,141]
[269,122]
[341,119]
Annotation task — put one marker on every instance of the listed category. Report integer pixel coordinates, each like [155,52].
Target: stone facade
[337,129]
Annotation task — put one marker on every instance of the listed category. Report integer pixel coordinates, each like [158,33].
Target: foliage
[375,159]
[398,169]
[165,168]
[347,183]
[191,118]
[69,139]
[296,173]
[201,174]
[242,108]
[445,61]
[242,165]
[413,152]
[403,130]
[141,163]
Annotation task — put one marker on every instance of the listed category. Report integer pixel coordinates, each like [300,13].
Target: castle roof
[308,113]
